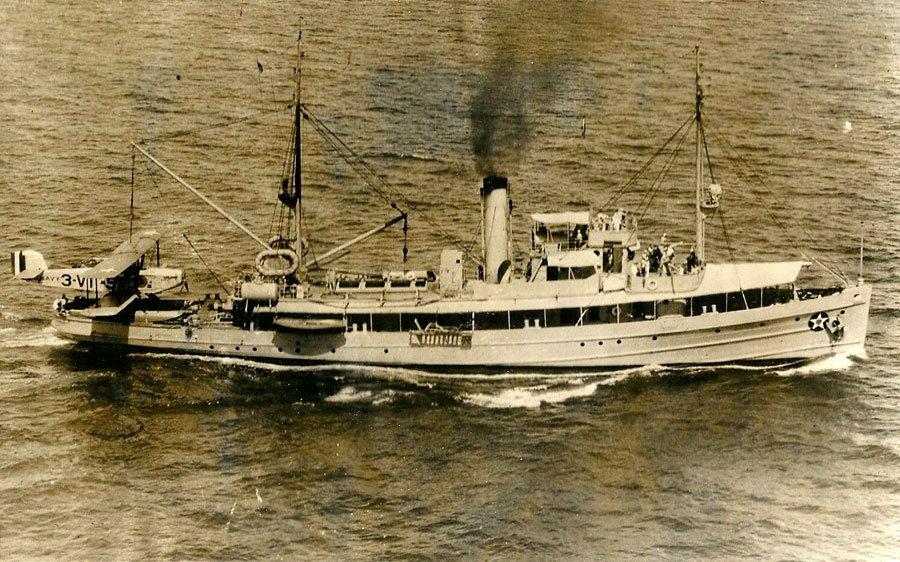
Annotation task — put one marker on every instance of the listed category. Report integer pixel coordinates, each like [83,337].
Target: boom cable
[745,173]
[651,193]
[371,178]
[618,194]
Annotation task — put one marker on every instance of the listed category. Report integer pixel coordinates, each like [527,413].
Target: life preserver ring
[285,255]
[188,332]
[818,321]
[652,284]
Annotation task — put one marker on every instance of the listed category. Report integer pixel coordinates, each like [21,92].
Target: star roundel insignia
[818,321]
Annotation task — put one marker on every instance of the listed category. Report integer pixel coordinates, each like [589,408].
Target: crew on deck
[692,261]
[618,221]
[660,258]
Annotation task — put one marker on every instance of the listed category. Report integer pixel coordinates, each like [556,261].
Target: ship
[588,293]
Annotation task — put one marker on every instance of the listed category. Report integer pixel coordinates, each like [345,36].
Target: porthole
[332,350]
[655,338]
[843,312]
[237,348]
[718,330]
[797,319]
[385,351]
[618,341]
[761,324]
[254,349]
[599,343]
[280,349]
[212,347]
[582,344]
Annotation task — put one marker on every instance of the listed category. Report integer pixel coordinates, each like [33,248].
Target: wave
[404,156]
[539,395]
[11,316]
[530,397]
[44,338]
[839,362]
[352,395]
[235,362]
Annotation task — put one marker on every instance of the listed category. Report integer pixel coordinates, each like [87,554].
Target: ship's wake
[378,386]
[831,363]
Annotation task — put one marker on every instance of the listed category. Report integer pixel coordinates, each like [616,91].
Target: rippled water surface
[135,456]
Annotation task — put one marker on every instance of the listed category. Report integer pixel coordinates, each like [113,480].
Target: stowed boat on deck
[586,295]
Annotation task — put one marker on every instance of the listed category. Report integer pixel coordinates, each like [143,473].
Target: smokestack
[495,209]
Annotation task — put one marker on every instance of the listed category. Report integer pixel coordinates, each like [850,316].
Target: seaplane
[107,287]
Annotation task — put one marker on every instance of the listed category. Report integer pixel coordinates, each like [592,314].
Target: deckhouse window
[491,320]
[386,322]
[462,321]
[526,319]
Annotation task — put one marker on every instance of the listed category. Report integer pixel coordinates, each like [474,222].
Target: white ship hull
[775,332]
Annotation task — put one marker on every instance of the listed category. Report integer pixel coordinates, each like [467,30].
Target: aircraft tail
[28,265]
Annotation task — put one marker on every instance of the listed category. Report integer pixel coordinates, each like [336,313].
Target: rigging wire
[370,177]
[617,195]
[169,212]
[745,173]
[731,255]
[651,193]
[213,273]
[709,166]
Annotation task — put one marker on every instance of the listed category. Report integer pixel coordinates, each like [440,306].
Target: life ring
[188,332]
[286,255]
[818,321]
[652,284]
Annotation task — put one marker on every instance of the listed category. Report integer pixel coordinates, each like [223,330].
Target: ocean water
[134,456]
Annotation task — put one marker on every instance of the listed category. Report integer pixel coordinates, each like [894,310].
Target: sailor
[645,263]
[655,258]
[618,219]
[670,253]
[603,219]
[692,262]
[608,259]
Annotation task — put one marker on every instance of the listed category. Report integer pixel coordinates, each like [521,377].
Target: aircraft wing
[124,256]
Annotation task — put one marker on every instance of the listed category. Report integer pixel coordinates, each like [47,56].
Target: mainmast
[298,153]
[698,123]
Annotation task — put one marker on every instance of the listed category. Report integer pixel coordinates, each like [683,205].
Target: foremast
[290,244]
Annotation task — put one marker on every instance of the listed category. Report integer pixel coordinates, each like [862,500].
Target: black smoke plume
[535,50]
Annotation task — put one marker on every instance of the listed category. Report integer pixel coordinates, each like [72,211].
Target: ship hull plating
[776,332]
